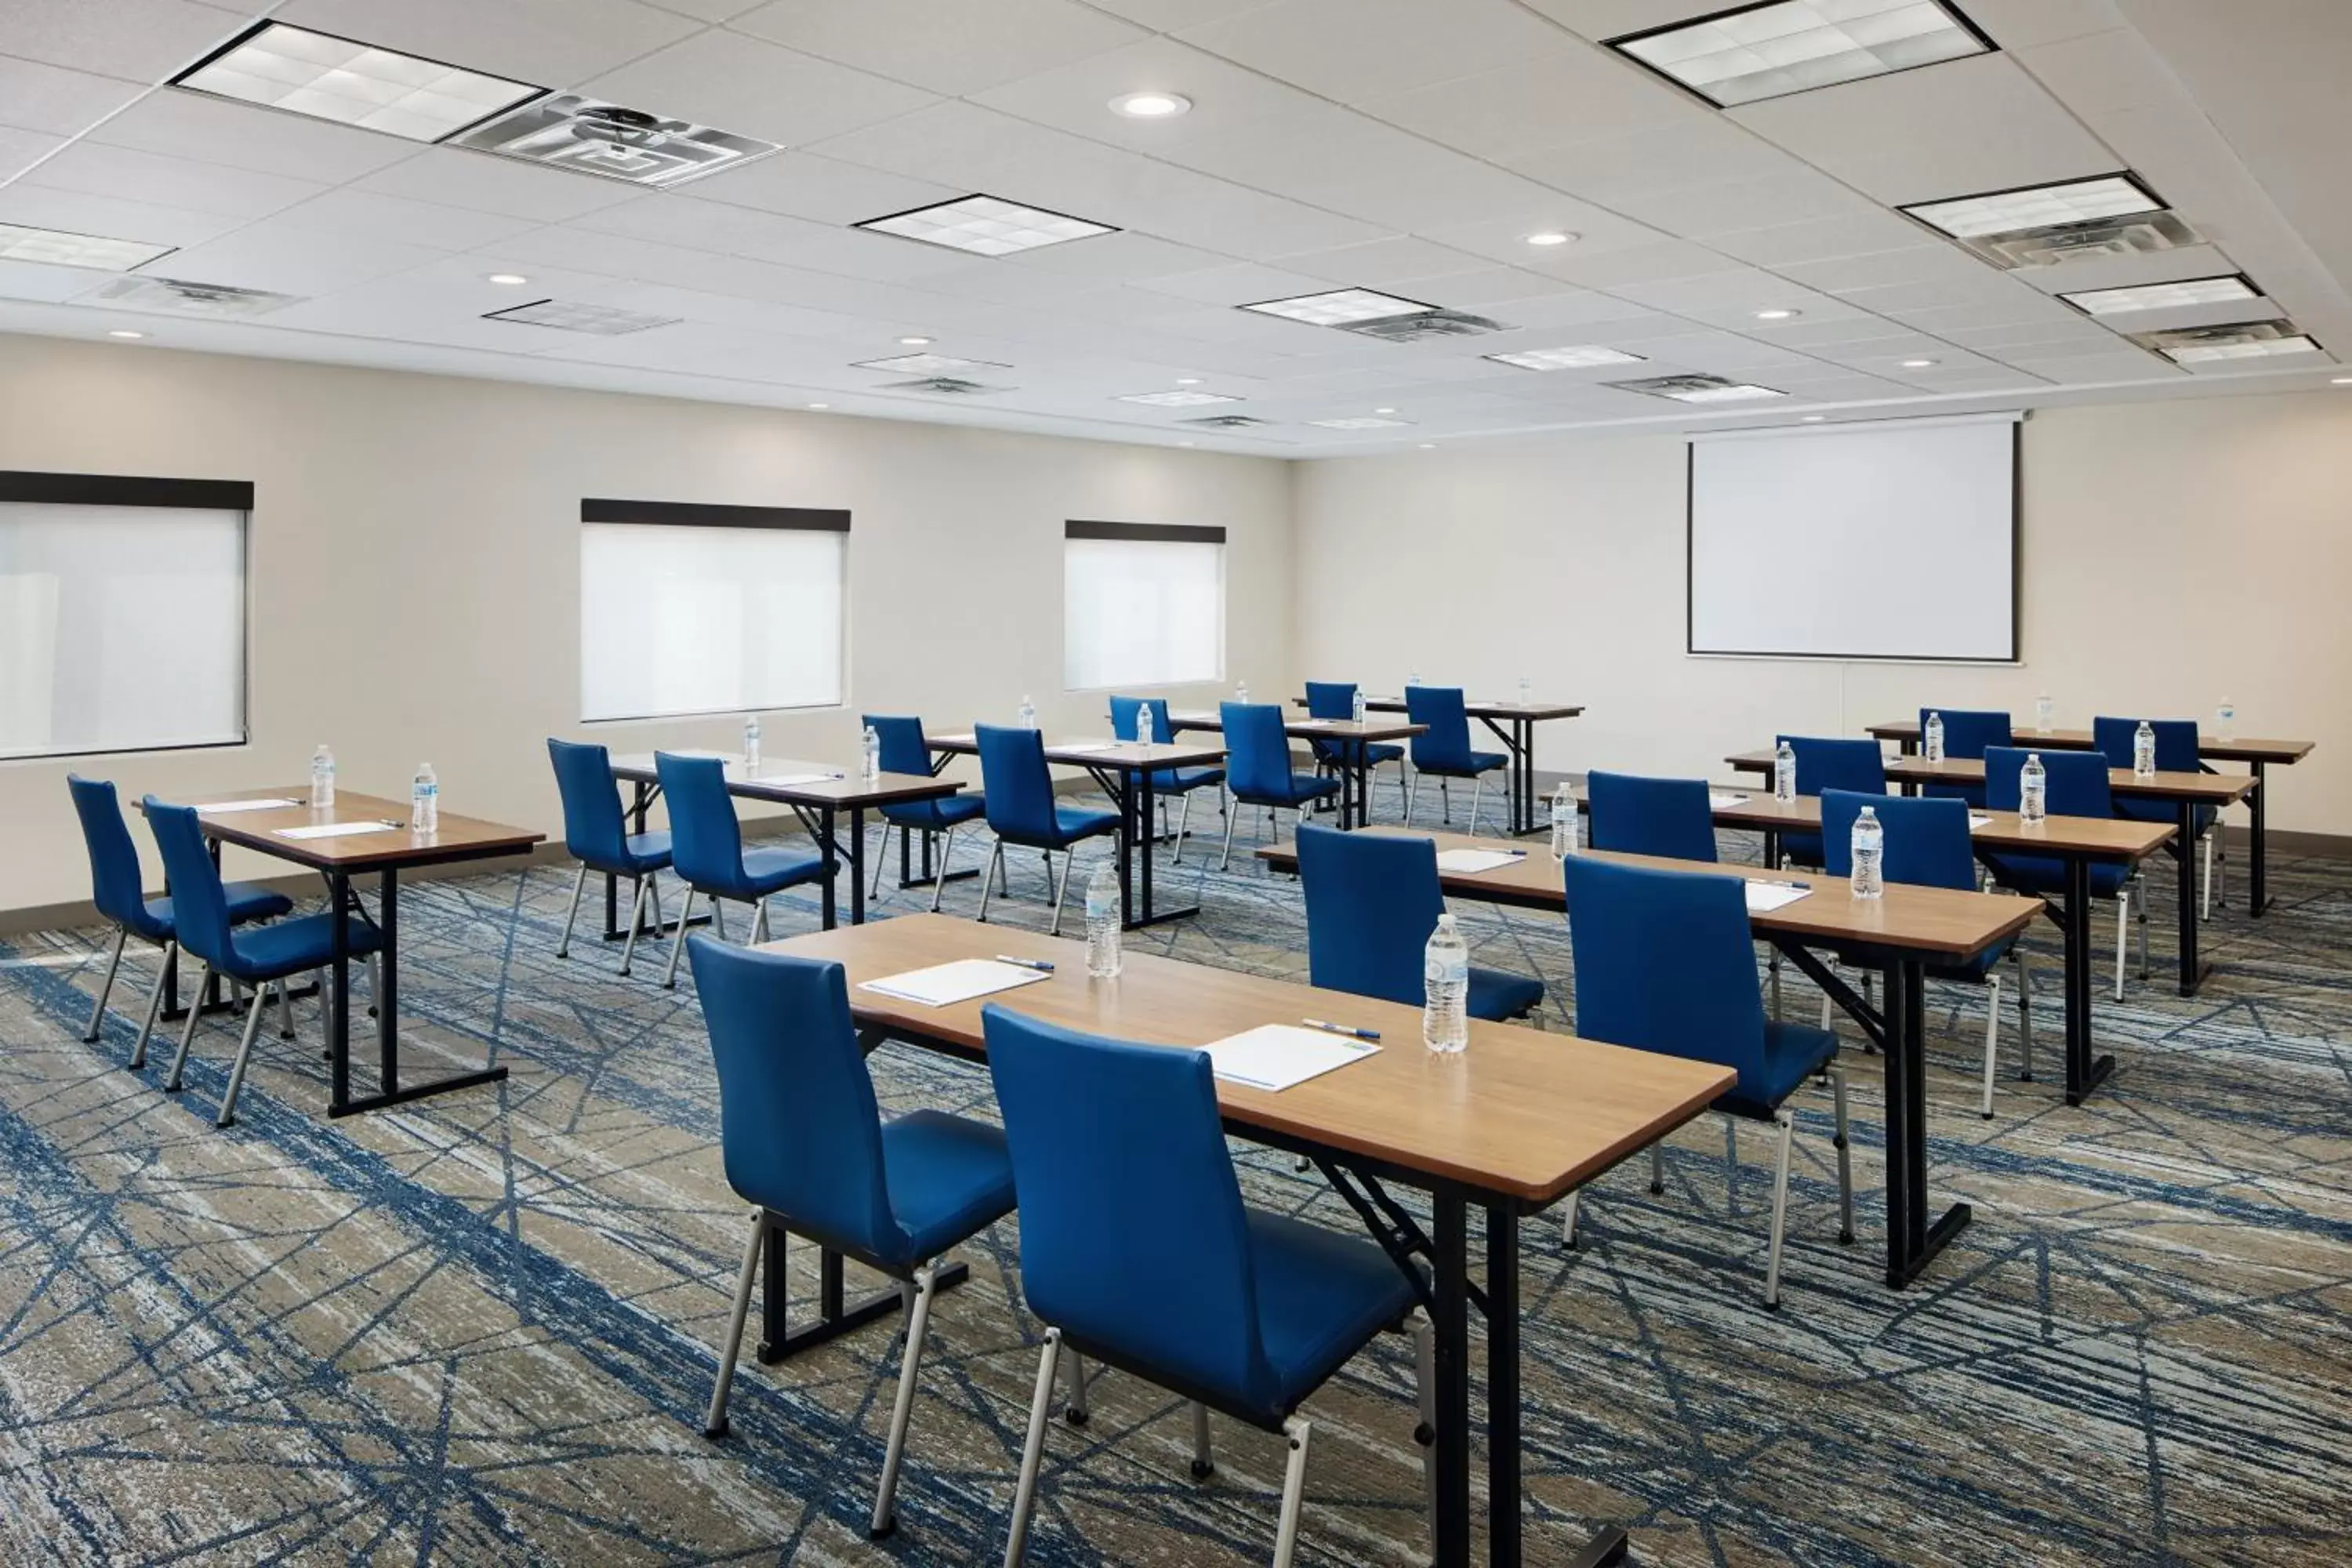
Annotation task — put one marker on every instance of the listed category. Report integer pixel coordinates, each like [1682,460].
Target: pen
[1039,964]
[1342,1029]
[390,822]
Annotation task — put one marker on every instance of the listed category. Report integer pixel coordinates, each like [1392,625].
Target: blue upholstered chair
[1828,764]
[806,1144]
[1336,699]
[904,751]
[1259,771]
[1927,845]
[1665,961]
[1022,810]
[1128,717]
[2175,752]
[1373,898]
[2076,784]
[598,835]
[1137,1250]
[1636,815]
[255,958]
[707,850]
[1444,750]
[1968,733]
[114,887]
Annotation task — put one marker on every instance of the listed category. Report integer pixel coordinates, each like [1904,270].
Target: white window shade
[685,619]
[1142,607]
[121,628]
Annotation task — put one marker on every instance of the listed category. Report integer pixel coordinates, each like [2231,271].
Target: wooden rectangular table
[817,802]
[1514,724]
[1123,770]
[1900,933]
[1353,739]
[2256,752]
[397,848]
[2183,791]
[1511,1125]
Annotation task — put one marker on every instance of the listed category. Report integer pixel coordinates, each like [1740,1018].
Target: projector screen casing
[1896,540]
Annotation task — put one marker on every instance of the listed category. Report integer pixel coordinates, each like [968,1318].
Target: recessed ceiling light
[1577,356]
[1815,418]
[916,343]
[124,332]
[926,365]
[1695,388]
[328,77]
[1186,443]
[2341,381]
[1428,446]
[1759,51]
[58,247]
[1151,105]
[1365,422]
[2263,348]
[1175,399]
[820,406]
[509,279]
[1338,307]
[2037,206]
[604,321]
[985,226]
[1187,380]
[1778,313]
[1918,364]
[1384,411]
[1551,236]
[2163,296]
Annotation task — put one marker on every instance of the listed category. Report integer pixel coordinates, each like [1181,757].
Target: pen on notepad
[1342,1029]
[1039,964]
[390,822]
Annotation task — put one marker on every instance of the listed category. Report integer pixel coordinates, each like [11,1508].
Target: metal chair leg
[1204,1462]
[880,856]
[2123,931]
[940,874]
[653,903]
[106,986]
[2143,929]
[1788,1126]
[714,1424]
[2205,899]
[1657,1170]
[685,912]
[1075,1413]
[1477,793]
[188,1029]
[284,1010]
[1445,801]
[988,883]
[1846,1159]
[718,916]
[579,884]
[1231,817]
[244,1050]
[759,922]
[1061,889]
[910,1360]
[1567,1220]
[636,922]
[1294,1490]
[154,1008]
[1183,819]
[1992,1041]
[1032,1451]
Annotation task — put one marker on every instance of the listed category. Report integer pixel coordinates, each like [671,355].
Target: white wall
[415,565]
[2175,554]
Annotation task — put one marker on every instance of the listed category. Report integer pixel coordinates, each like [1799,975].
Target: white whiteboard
[1892,540]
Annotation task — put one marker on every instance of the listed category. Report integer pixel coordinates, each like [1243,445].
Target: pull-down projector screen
[1894,540]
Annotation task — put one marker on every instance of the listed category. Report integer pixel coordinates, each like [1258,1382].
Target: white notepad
[1470,862]
[1278,1056]
[944,984]
[785,779]
[223,807]
[1763,898]
[1978,820]
[1089,746]
[1723,800]
[337,829]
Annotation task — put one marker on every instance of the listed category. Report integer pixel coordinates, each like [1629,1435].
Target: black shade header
[701,514]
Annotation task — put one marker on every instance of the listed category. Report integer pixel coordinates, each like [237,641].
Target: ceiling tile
[32,280]
[241,136]
[1355,49]
[20,149]
[1527,108]
[1164,14]
[1697,147]
[1698,211]
[552,44]
[36,97]
[136,177]
[397,220]
[1822,239]
[1121,258]
[1241,283]
[2021,24]
[1392,260]
[676,217]
[949,47]
[755,89]
[293,258]
[487,183]
[137,40]
[823,190]
[77,212]
[1926,262]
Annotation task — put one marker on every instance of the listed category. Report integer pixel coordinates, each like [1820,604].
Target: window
[1141,606]
[121,614]
[709,609]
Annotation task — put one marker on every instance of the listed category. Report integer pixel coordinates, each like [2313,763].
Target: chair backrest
[1330,699]
[1967,731]
[114,876]
[1155,1264]
[1017,785]
[2076,784]
[594,827]
[706,841]
[903,747]
[1664,962]
[1257,749]
[798,1124]
[1127,719]
[1446,742]
[1927,839]
[1637,815]
[1373,898]
[199,906]
[1845,764]
[2176,742]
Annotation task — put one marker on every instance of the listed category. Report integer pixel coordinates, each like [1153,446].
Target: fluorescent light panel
[2037,206]
[1339,308]
[2261,348]
[1176,399]
[1360,422]
[57,247]
[604,321]
[1578,357]
[2162,295]
[926,365]
[1793,45]
[352,83]
[986,226]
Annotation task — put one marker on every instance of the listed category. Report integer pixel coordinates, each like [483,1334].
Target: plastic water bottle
[2033,789]
[1526,691]
[1412,681]
[1241,691]
[1563,823]
[1355,707]
[1784,774]
[1934,737]
[869,764]
[322,779]
[2042,711]
[2226,720]
[1869,854]
[1028,714]
[1102,923]
[2144,750]
[1446,976]
[425,800]
[752,744]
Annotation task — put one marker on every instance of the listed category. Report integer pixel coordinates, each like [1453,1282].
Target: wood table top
[2201,789]
[1093,751]
[1521,1113]
[1940,923]
[1477,710]
[1311,728]
[838,787]
[2091,838]
[2232,749]
[458,837]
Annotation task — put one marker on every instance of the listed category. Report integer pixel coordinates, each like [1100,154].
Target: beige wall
[2175,554]
[414,564]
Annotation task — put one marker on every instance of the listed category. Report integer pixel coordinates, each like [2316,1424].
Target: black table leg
[1450,1316]
[1137,843]
[1503,1524]
[856,865]
[779,1341]
[1912,1243]
[389,1091]
[387,996]
[831,851]
[2259,849]
[2184,852]
[338,1014]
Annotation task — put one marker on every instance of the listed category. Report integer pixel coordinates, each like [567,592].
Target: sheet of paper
[1724,800]
[944,984]
[1978,821]
[1088,745]
[1763,898]
[697,751]
[1470,862]
[1278,1056]
[795,778]
[223,807]
[338,829]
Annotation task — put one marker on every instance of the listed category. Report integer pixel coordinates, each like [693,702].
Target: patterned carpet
[480,1328]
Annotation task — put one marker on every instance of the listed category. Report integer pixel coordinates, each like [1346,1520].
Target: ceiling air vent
[1226,422]
[945,385]
[592,137]
[1695,388]
[2237,341]
[2143,234]
[1424,325]
[174,296]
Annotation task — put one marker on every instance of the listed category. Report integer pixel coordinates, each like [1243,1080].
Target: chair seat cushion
[1183,781]
[1975,969]
[2046,874]
[1468,766]
[1304,787]
[1793,1052]
[766,871]
[948,811]
[1375,751]
[947,1178]
[1076,822]
[1495,995]
[246,901]
[646,851]
[1321,1294]
[290,947]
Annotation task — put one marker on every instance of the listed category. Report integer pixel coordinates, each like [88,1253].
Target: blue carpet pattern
[481,1329]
